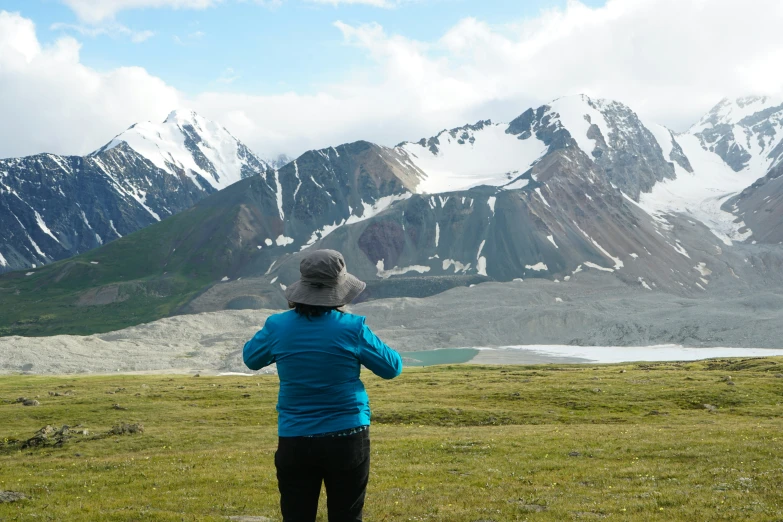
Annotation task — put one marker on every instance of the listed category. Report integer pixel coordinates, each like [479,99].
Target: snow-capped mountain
[53,207]
[747,133]
[187,143]
[487,153]
[577,185]
[574,185]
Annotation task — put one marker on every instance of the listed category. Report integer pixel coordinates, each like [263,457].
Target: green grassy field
[450,443]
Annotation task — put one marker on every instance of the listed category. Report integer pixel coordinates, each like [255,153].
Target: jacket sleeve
[376,356]
[258,350]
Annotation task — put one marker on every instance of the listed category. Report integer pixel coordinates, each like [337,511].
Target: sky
[285,76]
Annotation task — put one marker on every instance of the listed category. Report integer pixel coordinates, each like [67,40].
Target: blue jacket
[318,362]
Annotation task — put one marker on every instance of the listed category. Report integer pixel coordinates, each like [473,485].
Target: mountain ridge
[54,207]
[572,186]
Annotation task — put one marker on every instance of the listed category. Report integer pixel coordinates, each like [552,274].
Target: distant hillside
[579,185]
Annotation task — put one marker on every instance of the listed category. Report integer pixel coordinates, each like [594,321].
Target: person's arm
[376,356]
[258,350]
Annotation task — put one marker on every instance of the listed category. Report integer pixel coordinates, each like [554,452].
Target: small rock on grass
[118,407]
[31,402]
[574,454]
[122,429]
[710,408]
[10,496]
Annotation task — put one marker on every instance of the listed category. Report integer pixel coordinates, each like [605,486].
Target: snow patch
[538,191]
[700,194]
[552,240]
[598,267]
[459,166]
[111,225]
[42,226]
[518,184]
[283,240]
[481,261]
[373,209]
[458,267]
[279,196]
[385,274]
[538,267]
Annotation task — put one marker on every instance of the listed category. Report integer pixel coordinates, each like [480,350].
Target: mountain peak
[187,143]
[183,116]
[732,111]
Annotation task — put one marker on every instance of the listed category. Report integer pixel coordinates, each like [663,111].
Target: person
[323,408]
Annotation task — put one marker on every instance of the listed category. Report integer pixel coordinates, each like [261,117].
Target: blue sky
[286,76]
[247,47]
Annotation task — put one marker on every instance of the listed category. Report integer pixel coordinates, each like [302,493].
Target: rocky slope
[53,207]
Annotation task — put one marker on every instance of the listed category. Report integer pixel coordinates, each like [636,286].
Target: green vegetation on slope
[451,444]
[139,278]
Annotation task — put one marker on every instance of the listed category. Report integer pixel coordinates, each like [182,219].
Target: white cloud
[670,60]
[50,102]
[111,29]
[94,11]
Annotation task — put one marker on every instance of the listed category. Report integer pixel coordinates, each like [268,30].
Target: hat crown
[322,266]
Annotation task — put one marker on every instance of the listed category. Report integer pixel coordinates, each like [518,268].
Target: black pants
[342,463]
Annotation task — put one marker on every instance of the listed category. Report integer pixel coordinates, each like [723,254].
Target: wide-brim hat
[324,281]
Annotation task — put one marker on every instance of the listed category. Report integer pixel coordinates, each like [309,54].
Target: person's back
[323,408]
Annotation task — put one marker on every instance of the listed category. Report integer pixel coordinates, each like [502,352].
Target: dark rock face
[568,219]
[631,156]
[678,156]
[327,187]
[730,137]
[383,240]
[461,134]
[760,207]
[543,124]
[721,140]
[54,207]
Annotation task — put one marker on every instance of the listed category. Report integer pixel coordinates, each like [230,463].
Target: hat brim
[339,295]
